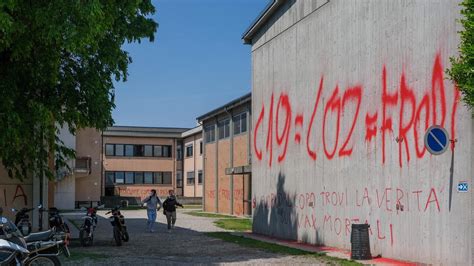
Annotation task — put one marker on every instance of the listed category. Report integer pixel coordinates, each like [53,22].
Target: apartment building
[227,158]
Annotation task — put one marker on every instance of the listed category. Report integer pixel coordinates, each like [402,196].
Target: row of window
[223,128]
[134,150]
[123,177]
[190,177]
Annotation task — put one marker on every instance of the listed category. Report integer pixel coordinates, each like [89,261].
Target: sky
[196,63]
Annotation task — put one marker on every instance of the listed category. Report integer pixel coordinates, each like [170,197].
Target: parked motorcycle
[86,233]
[14,250]
[55,219]
[22,220]
[119,228]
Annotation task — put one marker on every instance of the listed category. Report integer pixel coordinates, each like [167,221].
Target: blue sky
[196,63]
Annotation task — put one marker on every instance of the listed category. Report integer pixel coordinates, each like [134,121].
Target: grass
[193,206]
[237,224]
[279,249]
[75,256]
[208,215]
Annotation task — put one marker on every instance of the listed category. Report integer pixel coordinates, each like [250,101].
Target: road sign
[436,140]
[463,187]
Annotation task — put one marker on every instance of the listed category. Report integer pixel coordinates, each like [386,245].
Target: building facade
[343,92]
[137,159]
[192,153]
[226,162]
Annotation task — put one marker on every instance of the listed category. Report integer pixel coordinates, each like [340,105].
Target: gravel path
[186,244]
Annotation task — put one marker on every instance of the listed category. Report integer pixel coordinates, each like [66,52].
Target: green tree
[58,60]
[462,69]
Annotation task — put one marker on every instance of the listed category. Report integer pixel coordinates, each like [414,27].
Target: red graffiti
[398,103]
[20,193]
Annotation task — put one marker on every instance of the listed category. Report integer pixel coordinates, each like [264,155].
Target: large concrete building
[343,92]
[227,157]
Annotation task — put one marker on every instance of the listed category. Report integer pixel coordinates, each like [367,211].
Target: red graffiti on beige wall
[414,117]
[14,195]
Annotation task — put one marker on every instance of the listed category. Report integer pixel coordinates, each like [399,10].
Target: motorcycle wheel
[44,260]
[125,236]
[84,237]
[117,236]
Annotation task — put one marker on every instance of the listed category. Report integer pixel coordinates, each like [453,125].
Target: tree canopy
[462,69]
[58,60]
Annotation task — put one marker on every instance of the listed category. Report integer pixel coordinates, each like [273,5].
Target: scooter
[86,233]
[118,223]
[22,220]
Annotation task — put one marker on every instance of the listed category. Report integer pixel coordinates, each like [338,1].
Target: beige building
[227,158]
[193,150]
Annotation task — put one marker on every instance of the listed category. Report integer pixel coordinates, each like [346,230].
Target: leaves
[462,67]
[57,62]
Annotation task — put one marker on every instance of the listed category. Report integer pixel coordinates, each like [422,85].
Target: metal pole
[451,172]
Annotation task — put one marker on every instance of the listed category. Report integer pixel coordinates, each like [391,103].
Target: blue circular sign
[436,140]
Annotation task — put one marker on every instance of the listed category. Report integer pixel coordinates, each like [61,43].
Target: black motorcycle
[86,233]
[118,223]
[22,220]
[55,220]
[16,250]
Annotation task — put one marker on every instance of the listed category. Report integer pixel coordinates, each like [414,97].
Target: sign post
[437,142]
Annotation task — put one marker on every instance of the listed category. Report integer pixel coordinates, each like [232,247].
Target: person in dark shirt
[169,209]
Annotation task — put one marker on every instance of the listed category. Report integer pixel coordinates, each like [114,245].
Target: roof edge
[261,19]
[218,110]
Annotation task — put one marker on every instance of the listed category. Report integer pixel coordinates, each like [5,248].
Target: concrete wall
[343,92]
[14,193]
[64,186]
[192,164]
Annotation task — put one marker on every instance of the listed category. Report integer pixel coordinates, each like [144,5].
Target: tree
[58,60]
[462,69]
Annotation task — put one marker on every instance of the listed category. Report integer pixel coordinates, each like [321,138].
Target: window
[200,147]
[179,180]
[190,178]
[148,178]
[139,150]
[157,151]
[167,178]
[109,149]
[167,151]
[240,123]
[138,177]
[119,149]
[200,177]
[189,151]
[158,177]
[148,151]
[179,152]
[109,178]
[210,134]
[129,178]
[223,129]
[119,178]
[129,150]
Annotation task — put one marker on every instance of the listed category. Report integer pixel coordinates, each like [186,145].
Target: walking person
[169,209]
[152,202]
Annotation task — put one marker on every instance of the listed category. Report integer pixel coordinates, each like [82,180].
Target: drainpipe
[249,162]
[216,170]
[231,163]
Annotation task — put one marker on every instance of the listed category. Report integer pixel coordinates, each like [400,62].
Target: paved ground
[186,244]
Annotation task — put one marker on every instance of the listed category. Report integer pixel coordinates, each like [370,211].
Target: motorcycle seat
[40,236]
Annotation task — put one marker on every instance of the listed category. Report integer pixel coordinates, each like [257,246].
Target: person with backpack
[169,209]
[152,202]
